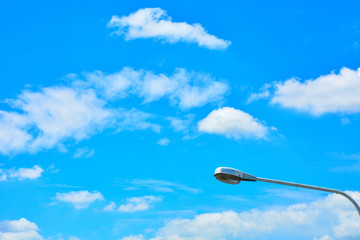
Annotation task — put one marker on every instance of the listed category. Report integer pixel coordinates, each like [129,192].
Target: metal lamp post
[234,176]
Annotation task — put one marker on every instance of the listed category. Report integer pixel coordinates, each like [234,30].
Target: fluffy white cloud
[333,217]
[21,229]
[333,93]
[21,173]
[234,123]
[138,203]
[80,199]
[155,23]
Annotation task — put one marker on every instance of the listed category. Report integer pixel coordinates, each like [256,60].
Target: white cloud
[21,173]
[155,23]
[234,123]
[80,199]
[163,142]
[138,203]
[333,217]
[332,93]
[21,229]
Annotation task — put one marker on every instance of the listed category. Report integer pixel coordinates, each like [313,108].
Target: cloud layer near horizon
[332,217]
[155,23]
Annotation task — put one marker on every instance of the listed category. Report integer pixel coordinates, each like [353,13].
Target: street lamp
[234,176]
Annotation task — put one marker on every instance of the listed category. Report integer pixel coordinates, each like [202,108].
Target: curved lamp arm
[311,187]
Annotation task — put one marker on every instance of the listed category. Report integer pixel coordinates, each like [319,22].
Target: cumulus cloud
[332,93]
[80,199]
[333,217]
[155,23]
[136,204]
[233,123]
[21,173]
[21,229]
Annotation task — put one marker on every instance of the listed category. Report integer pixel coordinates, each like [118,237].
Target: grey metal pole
[311,187]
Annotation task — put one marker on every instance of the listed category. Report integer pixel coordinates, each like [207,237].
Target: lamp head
[232,176]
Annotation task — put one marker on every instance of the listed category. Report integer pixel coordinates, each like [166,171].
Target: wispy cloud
[155,23]
[21,173]
[158,186]
[49,117]
[333,217]
[263,93]
[133,119]
[163,142]
[350,165]
[79,199]
[53,116]
[83,152]
[183,88]
[233,123]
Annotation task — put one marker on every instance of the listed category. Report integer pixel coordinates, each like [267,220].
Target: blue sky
[115,114]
